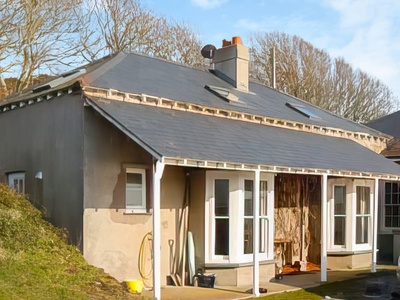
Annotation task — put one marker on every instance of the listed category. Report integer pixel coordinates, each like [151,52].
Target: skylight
[304,111]
[223,93]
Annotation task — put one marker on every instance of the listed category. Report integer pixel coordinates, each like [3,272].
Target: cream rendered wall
[113,238]
[197,214]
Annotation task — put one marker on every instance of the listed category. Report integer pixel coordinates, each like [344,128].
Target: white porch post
[375,225]
[157,174]
[256,234]
[324,218]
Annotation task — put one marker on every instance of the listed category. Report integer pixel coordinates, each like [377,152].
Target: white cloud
[208,4]
[372,29]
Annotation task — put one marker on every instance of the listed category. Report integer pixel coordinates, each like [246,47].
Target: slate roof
[389,124]
[134,73]
[180,134]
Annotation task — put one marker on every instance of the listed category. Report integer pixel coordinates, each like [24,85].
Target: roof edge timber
[48,95]
[387,136]
[198,163]
[143,99]
[127,132]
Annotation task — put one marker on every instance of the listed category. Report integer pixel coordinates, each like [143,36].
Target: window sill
[347,253]
[236,265]
[137,211]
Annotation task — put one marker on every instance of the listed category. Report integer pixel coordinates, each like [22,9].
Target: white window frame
[269,254]
[351,216]
[236,216]
[20,176]
[363,183]
[142,208]
[332,216]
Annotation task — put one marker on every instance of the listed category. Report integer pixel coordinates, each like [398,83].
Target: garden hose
[143,254]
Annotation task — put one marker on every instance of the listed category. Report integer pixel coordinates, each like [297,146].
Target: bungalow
[389,191]
[131,153]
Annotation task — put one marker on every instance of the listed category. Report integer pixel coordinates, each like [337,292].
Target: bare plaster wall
[197,214]
[48,137]
[112,238]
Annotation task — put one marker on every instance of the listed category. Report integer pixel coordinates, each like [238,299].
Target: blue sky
[365,32]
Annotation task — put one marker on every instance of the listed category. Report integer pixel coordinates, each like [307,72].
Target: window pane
[395,222]
[388,211]
[363,200]
[248,236]
[388,198]
[263,198]
[388,187]
[221,197]
[222,236]
[134,192]
[340,200]
[263,235]
[362,225]
[248,197]
[395,198]
[388,222]
[340,231]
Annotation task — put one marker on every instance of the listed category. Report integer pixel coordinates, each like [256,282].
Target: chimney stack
[232,60]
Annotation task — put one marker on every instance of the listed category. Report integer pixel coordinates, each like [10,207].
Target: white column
[157,174]
[256,233]
[375,225]
[324,218]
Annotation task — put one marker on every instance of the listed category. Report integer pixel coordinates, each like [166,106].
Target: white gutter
[256,235]
[324,219]
[223,165]
[157,174]
[375,225]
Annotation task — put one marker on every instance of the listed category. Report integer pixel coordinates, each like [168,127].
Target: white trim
[224,165]
[331,216]
[157,174]
[236,217]
[142,208]
[370,185]
[20,178]
[324,200]
[375,226]
[256,234]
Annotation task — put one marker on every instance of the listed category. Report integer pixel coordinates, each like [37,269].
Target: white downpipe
[157,174]
[256,233]
[375,225]
[324,211]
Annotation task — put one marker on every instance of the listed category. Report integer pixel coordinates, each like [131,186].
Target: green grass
[36,262]
[347,289]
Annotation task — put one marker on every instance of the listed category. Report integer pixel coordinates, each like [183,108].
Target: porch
[289,283]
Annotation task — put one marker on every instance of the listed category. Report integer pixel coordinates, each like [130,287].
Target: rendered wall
[48,137]
[354,261]
[197,214]
[112,239]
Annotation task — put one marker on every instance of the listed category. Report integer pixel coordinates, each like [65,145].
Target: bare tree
[8,28]
[44,39]
[113,25]
[126,25]
[311,74]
